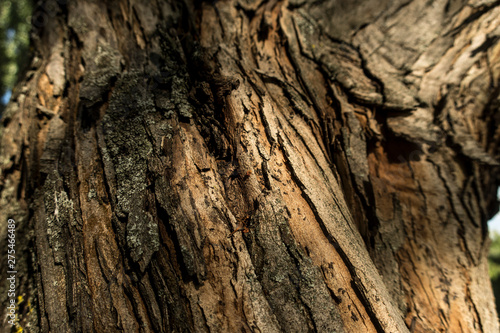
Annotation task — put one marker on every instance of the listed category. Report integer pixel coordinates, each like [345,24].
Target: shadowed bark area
[251,166]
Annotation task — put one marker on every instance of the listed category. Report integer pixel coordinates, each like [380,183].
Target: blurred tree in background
[15,17]
[494,261]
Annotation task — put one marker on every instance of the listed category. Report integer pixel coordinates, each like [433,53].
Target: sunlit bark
[281,166]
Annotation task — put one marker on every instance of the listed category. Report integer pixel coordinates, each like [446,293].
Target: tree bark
[251,166]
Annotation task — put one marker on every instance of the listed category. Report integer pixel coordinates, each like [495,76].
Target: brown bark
[281,166]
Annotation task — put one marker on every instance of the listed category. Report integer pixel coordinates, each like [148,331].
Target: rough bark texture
[251,166]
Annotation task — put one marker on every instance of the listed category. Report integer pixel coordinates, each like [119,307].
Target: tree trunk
[250,166]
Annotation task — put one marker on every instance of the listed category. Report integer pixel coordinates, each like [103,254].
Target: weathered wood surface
[280,166]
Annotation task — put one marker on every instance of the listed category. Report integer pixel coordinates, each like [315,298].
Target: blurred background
[15,18]
[494,257]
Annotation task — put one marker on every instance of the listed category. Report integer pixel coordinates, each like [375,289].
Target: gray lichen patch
[59,213]
[131,179]
[101,67]
[179,97]
[92,194]
[142,236]
[127,142]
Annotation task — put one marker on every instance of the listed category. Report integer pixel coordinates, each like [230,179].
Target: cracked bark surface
[280,166]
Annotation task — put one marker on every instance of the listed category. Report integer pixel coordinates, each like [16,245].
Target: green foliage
[494,266]
[15,18]
[494,256]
